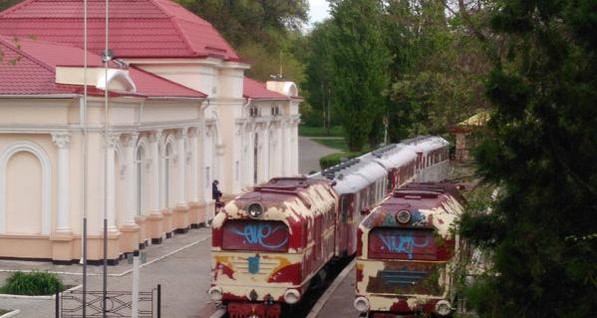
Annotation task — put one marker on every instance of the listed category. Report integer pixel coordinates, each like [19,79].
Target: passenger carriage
[433,160]
[269,243]
[407,252]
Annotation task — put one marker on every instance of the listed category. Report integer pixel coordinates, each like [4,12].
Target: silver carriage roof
[425,144]
[394,155]
[353,175]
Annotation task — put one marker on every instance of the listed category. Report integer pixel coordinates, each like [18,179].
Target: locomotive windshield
[266,236]
[400,243]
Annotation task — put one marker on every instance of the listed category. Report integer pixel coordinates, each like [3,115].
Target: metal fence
[69,304]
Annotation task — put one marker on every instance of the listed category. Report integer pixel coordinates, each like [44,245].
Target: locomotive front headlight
[361,304]
[443,308]
[215,293]
[255,210]
[292,296]
[403,217]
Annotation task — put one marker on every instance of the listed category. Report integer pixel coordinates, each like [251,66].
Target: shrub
[336,158]
[31,284]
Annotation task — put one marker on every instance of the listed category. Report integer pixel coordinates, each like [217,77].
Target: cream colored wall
[14,169]
[23,205]
[45,112]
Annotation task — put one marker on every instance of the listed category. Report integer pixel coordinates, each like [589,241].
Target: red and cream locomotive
[271,243]
[407,252]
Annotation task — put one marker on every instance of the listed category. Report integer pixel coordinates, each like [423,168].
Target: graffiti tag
[402,243]
[258,233]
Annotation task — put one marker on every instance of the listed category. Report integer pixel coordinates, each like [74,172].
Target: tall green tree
[359,63]
[541,152]
[318,72]
[437,69]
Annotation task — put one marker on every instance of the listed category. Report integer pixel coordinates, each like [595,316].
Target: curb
[45,297]
[11,314]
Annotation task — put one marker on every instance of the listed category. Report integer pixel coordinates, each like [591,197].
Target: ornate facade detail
[61,139]
[112,141]
[130,140]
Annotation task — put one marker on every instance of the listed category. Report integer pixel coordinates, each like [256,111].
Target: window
[401,243]
[267,236]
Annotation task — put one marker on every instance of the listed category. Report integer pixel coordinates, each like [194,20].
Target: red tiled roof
[22,74]
[256,90]
[28,68]
[138,28]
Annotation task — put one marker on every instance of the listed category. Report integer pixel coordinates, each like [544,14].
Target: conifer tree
[542,153]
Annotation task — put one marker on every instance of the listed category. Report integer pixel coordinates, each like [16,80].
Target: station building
[180,114]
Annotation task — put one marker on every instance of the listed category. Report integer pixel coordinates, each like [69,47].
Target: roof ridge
[172,20]
[165,79]
[16,49]
[15,7]
[155,4]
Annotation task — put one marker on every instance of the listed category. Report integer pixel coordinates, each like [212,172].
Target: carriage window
[268,236]
[399,243]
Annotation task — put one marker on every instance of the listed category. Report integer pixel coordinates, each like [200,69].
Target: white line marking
[324,298]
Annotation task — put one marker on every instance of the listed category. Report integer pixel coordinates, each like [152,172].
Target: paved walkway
[181,265]
[309,154]
[340,301]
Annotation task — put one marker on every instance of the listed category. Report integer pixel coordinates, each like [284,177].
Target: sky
[318,11]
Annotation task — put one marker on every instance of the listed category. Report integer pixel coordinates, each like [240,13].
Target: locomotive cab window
[266,236]
[401,243]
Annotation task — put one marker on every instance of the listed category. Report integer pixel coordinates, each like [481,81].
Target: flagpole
[106,59]
[84,158]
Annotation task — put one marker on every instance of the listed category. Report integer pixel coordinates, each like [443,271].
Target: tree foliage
[318,83]
[8,3]
[541,151]
[359,62]
[264,32]
[437,70]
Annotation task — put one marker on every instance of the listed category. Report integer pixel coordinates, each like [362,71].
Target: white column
[154,195]
[181,165]
[111,143]
[62,141]
[130,142]
[286,148]
[266,147]
[294,144]
[194,181]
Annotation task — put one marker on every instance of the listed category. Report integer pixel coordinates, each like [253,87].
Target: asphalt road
[310,152]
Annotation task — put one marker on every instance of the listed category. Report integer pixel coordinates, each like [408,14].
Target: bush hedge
[336,158]
[32,284]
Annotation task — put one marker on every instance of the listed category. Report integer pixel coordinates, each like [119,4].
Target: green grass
[308,131]
[339,144]
[32,284]
[3,311]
